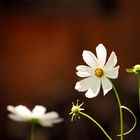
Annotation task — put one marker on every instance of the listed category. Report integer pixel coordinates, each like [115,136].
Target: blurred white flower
[23,114]
[97,73]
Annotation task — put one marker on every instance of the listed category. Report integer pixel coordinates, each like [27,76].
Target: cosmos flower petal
[90,58]
[112,60]
[58,120]
[83,74]
[113,72]
[84,84]
[20,110]
[16,118]
[83,68]
[11,109]
[46,124]
[49,121]
[51,115]
[83,71]
[94,90]
[107,85]
[38,111]
[23,111]
[101,54]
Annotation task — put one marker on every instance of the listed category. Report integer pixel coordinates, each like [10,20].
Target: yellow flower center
[99,72]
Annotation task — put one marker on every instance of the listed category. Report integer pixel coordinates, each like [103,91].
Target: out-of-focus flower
[37,115]
[97,73]
[75,110]
[135,69]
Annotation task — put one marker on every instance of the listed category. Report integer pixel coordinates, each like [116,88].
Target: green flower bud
[75,110]
[135,69]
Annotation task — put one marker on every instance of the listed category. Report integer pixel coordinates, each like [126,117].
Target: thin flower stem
[139,88]
[96,124]
[135,120]
[120,110]
[32,130]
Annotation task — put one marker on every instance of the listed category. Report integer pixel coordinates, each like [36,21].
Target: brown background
[41,44]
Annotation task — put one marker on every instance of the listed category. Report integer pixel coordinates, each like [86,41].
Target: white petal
[19,110]
[16,118]
[50,118]
[84,84]
[112,72]
[22,111]
[50,115]
[19,113]
[50,122]
[57,120]
[90,58]
[46,124]
[94,90]
[38,111]
[112,60]
[83,71]
[11,108]
[101,54]
[106,84]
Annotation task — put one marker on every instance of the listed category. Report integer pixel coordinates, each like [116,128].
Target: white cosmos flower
[97,72]
[23,114]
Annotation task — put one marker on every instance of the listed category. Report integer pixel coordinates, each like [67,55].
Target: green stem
[120,110]
[96,124]
[32,130]
[139,88]
[135,120]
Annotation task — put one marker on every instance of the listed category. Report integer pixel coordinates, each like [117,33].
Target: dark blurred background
[41,43]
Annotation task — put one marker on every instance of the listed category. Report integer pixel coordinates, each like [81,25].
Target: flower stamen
[99,72]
